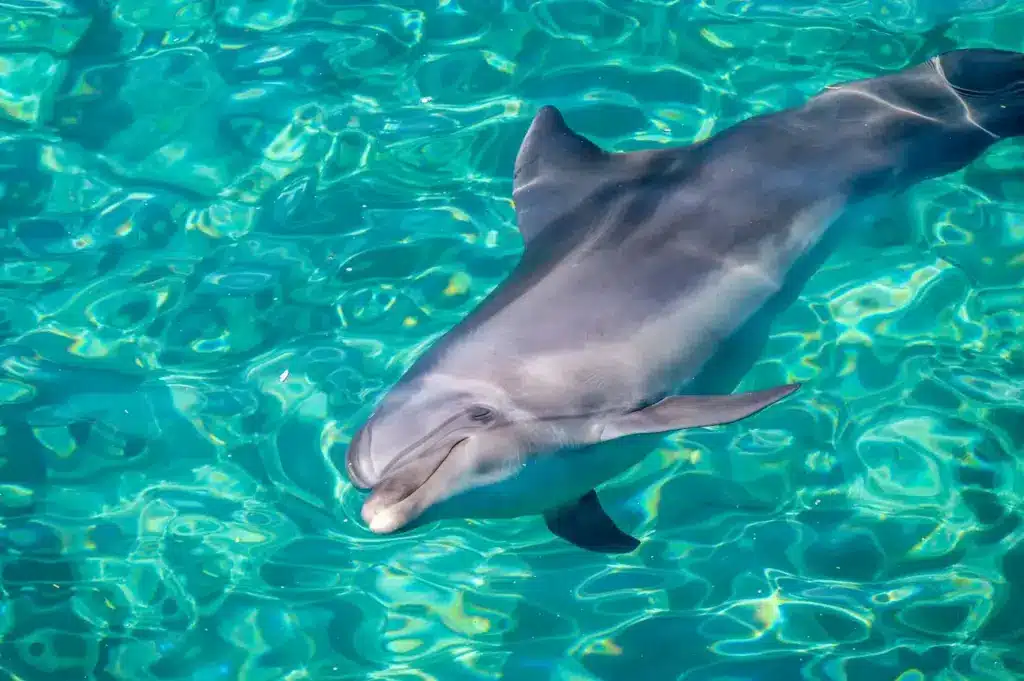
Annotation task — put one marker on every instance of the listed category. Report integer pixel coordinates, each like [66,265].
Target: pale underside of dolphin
[636,268]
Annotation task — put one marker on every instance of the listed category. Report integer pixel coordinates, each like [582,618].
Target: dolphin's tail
[991,84]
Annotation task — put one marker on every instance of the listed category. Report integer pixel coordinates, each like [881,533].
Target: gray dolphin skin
[636,269]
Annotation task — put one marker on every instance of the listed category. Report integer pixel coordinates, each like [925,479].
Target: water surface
[228,226]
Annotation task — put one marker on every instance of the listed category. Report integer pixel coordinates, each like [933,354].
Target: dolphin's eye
[481,414]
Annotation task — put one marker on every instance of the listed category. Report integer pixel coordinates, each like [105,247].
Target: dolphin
[636,269]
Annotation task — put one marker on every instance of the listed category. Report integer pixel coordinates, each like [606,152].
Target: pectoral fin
[588,526]
[693,411]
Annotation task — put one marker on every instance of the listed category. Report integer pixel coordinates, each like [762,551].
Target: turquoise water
[228,226]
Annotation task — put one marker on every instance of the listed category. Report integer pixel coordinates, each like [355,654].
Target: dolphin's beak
[356,462]
[404,494]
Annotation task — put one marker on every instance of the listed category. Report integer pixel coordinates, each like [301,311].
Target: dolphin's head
[430,439]
[990,83]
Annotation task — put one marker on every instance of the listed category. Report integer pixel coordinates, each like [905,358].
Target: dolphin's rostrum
[637,267]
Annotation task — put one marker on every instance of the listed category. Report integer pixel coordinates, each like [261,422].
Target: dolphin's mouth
[404,494]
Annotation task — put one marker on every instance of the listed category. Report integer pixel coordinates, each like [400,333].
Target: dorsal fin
[552,170]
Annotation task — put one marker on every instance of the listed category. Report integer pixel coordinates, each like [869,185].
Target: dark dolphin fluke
[637,268]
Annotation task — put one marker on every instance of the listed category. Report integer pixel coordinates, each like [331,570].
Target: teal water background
[228,226]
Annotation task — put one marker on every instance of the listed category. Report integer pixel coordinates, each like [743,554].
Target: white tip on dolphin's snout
[383,522]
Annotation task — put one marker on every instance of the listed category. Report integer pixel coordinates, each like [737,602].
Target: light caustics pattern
[228,226]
